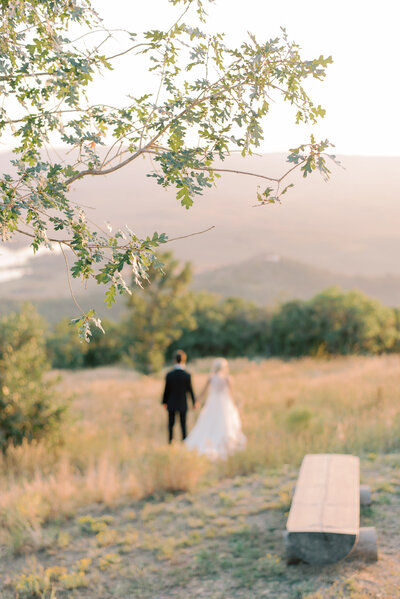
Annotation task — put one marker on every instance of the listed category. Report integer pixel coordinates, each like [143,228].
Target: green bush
[29,407]
[64,347]
[231,327]
[66,350]
[165,316]
[332,323]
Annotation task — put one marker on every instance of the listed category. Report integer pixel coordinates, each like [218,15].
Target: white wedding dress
[218,430]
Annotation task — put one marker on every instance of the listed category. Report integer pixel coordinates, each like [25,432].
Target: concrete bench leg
[365,495]
[367,545]
[290,555]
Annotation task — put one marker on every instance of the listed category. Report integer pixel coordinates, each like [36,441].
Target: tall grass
[115,443]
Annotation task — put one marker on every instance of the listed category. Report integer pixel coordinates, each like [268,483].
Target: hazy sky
[360,93]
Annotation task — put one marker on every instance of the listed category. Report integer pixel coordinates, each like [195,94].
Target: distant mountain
[266,279]
[270,278]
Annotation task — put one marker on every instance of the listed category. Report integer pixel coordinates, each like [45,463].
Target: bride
[218,431]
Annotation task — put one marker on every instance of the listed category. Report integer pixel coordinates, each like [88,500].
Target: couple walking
[217,432]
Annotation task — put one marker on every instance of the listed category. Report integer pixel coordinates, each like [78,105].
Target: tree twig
[69,282]
[191,234]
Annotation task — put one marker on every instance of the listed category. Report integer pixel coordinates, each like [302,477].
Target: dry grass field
[115,512]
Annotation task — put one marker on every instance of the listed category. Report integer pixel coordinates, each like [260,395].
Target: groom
[178,384]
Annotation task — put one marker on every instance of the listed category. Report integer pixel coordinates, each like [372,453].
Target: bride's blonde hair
[220,366]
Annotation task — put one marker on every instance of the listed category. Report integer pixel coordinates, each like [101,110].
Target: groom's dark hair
[180,356]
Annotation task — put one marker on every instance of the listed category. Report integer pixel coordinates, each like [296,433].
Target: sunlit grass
[115,443]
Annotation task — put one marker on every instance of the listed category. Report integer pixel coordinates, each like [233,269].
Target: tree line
[166,315]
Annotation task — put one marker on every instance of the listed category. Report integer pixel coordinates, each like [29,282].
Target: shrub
[231,327]
[66,350]
[29,407]
[332,323]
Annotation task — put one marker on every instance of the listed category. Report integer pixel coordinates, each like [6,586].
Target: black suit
[178,384]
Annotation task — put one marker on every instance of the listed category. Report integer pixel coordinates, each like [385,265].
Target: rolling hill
[269,279]
[266,279]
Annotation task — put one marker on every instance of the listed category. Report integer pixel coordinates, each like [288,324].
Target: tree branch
[108,170]
[66,242]
[229,170]
[128,50]
[191,234]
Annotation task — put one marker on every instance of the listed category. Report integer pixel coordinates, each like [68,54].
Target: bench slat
[327,496]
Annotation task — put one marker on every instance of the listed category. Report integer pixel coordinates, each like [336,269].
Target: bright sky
[360,93]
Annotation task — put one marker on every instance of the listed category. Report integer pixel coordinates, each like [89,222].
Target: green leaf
[110,296]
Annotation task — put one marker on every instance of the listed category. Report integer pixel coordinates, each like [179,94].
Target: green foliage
[231,327]
[103,349]
[66,350]
[333,322]
[29,407]
[396,316]
[206,91]
[165,316]
[158,313]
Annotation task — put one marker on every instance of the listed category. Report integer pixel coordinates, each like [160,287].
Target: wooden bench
[324,520]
